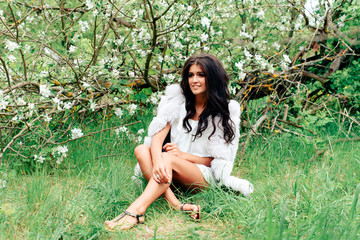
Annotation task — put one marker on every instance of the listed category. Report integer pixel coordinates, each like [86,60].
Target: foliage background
[89,73]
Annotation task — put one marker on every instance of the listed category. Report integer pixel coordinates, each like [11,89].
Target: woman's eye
[201,74]
[190,75]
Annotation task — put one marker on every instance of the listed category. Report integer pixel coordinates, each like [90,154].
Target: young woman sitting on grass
[204,131]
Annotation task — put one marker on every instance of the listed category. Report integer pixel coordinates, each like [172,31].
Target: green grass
[293,199]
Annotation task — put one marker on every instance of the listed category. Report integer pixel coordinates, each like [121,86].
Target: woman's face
[197,80]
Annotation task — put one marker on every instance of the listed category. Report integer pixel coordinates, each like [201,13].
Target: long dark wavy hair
[218,95]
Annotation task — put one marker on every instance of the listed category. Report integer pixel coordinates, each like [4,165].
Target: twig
[288,131]
[92,133]
[112,155]
[321,152]
[296,125]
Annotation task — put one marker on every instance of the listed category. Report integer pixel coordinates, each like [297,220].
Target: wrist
[183,155]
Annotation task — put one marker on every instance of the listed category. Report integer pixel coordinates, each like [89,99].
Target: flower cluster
[132,108]
[118,112]
[3,101]
[60,153]
[76,133]
[11,46]
[2,183]
[45,90]
[39,159]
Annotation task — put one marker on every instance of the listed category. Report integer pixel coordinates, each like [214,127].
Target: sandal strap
[183,204]
[137,216]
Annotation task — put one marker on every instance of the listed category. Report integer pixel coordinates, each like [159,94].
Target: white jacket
[223,153]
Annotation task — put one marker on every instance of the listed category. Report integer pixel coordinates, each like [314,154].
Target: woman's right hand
[160,171]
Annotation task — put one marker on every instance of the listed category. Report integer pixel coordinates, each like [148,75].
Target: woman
[204,127]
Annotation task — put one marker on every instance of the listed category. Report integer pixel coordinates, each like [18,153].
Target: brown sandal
[126,213]
[192,212]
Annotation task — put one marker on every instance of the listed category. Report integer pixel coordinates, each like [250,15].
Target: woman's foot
[193,210]
[125,221]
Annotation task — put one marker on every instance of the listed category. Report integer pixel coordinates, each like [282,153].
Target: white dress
[186,143]
[171,109]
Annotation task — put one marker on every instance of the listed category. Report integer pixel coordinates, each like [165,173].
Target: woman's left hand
[173,149]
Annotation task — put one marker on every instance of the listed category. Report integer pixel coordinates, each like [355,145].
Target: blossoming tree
[66,61]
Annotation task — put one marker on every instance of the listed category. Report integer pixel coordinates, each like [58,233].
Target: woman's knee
[141,150]
[168,158]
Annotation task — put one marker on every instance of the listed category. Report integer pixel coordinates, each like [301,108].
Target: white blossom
[27,48]
[240,64]
[72,48]
[232,90]
[276,45]
[115,73]
[85,85]
[178,44]
[260,14]
[139,139]
[39,159]
[247,54]
[258,57]
[43,74]
[95,12]
[76,133]
[11,46]
[284,65]
[3,102]
[44,90]
[93,106]
[60,151]
[89,4]
[21,101]
[31,106]
[118,112]
[282,28]
[242,76]
[131,108]
[205,22]
[121,129]
[297,25]
[68,105]
[204,37]
[12,58]
[286,58]
[47,118]
[2,182]
[154,99]
[56,100]
[84,25]
[245,34]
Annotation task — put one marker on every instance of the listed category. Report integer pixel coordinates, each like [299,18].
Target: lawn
[296,196]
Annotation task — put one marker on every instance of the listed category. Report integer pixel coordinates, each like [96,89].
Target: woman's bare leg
[143,155]
[185,172]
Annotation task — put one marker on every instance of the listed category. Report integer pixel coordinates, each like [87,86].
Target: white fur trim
[221,169]
[156,125]
[241,185]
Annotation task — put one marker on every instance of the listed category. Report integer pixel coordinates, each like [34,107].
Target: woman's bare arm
[173,149]
[156,155]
